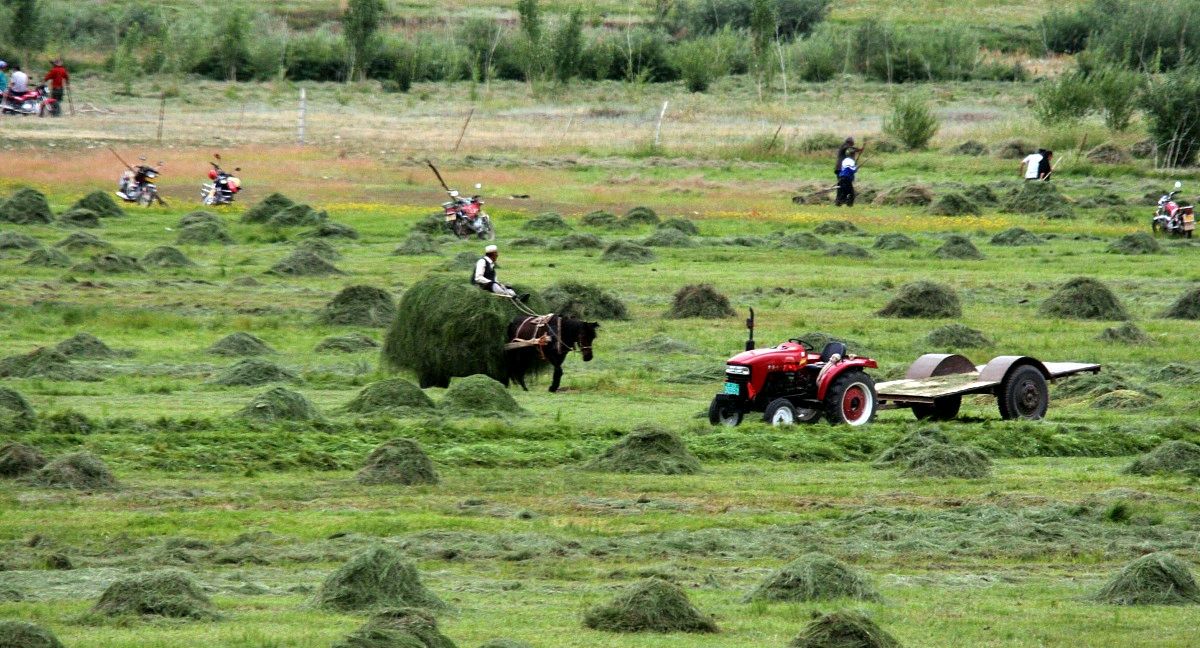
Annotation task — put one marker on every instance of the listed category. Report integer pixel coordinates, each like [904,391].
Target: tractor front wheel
[722,412]
[941,409]
[781,412]
[851,399]
[1024,394]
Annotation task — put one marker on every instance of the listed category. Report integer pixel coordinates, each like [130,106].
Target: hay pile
[417,244]
[240,344]
[547,222]
[908,446]
[433,224]
[504,643]
[1170,457]
[445,327]
[682,224]
[198,217]
[461,261]
[958,246]
[377,577]
[627,252]
[668,238]
[321,248]
[640,216]
[742,241]
[330,229]
[479,395]
[584,301]
[302,263]
[397,628]
[203,233]
[398,461]
[894,241]
[19,634]
[1138,243]
[814,577]
[12,401]
[599,218]
[386,395]
[279,404]
[166,257]
[17,459]
[78,471]
[109,263]
[647,449]
[18,241]
[969,147]
[1039,198]
[47,258]
[942,460]
[1154,579]
[1187,307]
[529,242]
[44,363]
[1016,237]
[956,336]
[84,345]
[700,300]
[268,207]
[359,306]
[1127,334]
[579,241]
[83,242]
[349,343]
[848,250]
[981,195]
[954,204]
[1124,399]
[923,299]
[1084,298]
[1109,153]
[78,217]
[100,203]
[26,207]
[906,196]
[801,241]
[652,605]
[1014,149]
[833,227]
[168,593]
[844,629]
[251,372]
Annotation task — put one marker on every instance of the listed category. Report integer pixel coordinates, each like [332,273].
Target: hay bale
[700,300]
[388,394]
[1109,153]
[302,263]
[47,258]
[20,634]
[44,363]
[848,250]
[1084,298]
[240,344]
[399,461]
[647,449]
[640,216]
[546,222]
[627,252]
[832,227]
[461,261]
[1187,307]
[1039,198]
[1154,579]
[433,224]
[579,241]
[18,241]
[651,605]
[109,263]
[377,577]
[529,242]
[584,301]
[668,238]
[266,208]
[941,460]
[958,246]
[398,628]
[682,224]
[169,593]
[26,207]
[279,404]
[909,445]
[78,217]
[1013,149]
[1133,244]
[18,459]
[417,244]
[13,403]
[894,241]
[599,218]
[359,306]
[923,299]
[349,343]
[802,241]
[78,471]
[1171,457]
[101,204]
[84,345]
[1126,334]
[83,242]
[954,204]
[1016,237]
[330,229]
[203,234]
[743,241]
[198,217]
[479,395]
[445,327]
[814,577]
[1124,400]
[252,372]
[321,248]
[956,336]
[969,147]
[166,256]
[906,196]
[981,195]
[844,629]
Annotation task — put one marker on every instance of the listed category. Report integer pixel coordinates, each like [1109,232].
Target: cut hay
[578,241]
[832,227]
[1154,579]
[1016,237]
[1084,298]
[909,445]
[1109,153]
[240,344]
[1187,307]
[1172,457]
[640,216]
[203,234]
[956,336]
[47,258]
[908,196]
[44,363]
[844,629]
[389,394]
[77,471]
[349,343]
[302,263]
[584,301]
[682,224]
[198,217]
[461,261]
[398,461]
[661,344]
[651,605]
[169,593]
[330,229]
[77,217]
[445,327]
[814,577]
[969,147]
[109,263]
[266,208]
[648,450]
[26,207]
[743,241]
[83,242]
[701,300]
[848,250]
[417,244]
[321,248]
[1124,400]
[377,577]
[668,238]
[894,241]
[479,395]
[504,643]
[18,459]
[802,241]
[398,628]
[1127,333]
[981,195]
[941,460]
[1176,373]
[84,345]
[18,241]
[529,242]
[954,204]
[599,219]
[166,257]
[1014,149]
[101,204]
[433,224]
[958,246]
[1038,198]
[20,634]
[1133,244]
[359,306]
[15,410]
[252,372]
[627,252]
[923,299]
[279,404]
[547,222]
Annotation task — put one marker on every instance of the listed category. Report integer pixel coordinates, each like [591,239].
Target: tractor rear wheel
[851,399]
[941,409]
[721,412]
[1023,394]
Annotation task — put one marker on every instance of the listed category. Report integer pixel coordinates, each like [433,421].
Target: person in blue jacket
[845,180]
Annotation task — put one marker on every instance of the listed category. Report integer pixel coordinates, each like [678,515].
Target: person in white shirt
[19,82]
[1029,166]
[845,184]
[485,275]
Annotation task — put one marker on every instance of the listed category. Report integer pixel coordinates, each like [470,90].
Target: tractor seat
[828,352]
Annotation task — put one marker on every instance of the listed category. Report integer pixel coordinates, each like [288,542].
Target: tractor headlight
[737,370]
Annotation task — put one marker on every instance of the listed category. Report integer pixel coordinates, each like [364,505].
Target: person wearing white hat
[485,274]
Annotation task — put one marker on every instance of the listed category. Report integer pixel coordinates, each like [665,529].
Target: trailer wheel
[1023,394]
[851,399]
[720,412]
[941,409]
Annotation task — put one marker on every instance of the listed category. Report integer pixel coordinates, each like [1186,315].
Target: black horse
[535,341]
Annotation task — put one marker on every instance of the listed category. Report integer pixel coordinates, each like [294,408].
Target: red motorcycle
[1173,219]
[35,101]
[465,216]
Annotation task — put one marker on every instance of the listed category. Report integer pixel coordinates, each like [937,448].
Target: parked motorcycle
[223,188]
[465,216]
[1173,219]
[35,101]
[137,185]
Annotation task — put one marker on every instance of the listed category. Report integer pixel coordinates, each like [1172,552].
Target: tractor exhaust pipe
[750,326]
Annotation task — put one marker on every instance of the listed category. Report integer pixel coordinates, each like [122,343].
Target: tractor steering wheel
[801,343]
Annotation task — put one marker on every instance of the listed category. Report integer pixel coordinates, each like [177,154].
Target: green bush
[1066,32]
[912,121]
[1173,121]
[1116,94]
[701,61]
[792,17]
[1067,99]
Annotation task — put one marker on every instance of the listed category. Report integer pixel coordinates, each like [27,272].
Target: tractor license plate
[733,389]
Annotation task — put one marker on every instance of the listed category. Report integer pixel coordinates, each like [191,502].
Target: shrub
[1067,99]
[792,17]
[1174,123]
[1116,94]
[1066,32]
[912,121]
[700,61]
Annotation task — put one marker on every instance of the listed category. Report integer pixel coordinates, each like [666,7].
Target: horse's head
[587,335]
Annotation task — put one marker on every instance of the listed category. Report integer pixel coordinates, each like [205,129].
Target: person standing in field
[1045,168]
[844,151]
[845,183]
[58,79]
[1031,165]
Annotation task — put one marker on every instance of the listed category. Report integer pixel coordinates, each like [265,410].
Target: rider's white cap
[489,249]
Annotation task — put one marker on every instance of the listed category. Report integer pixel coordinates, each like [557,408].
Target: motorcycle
[35,101]
[137,185]
[465,217]
[1173,219]
[223,188]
